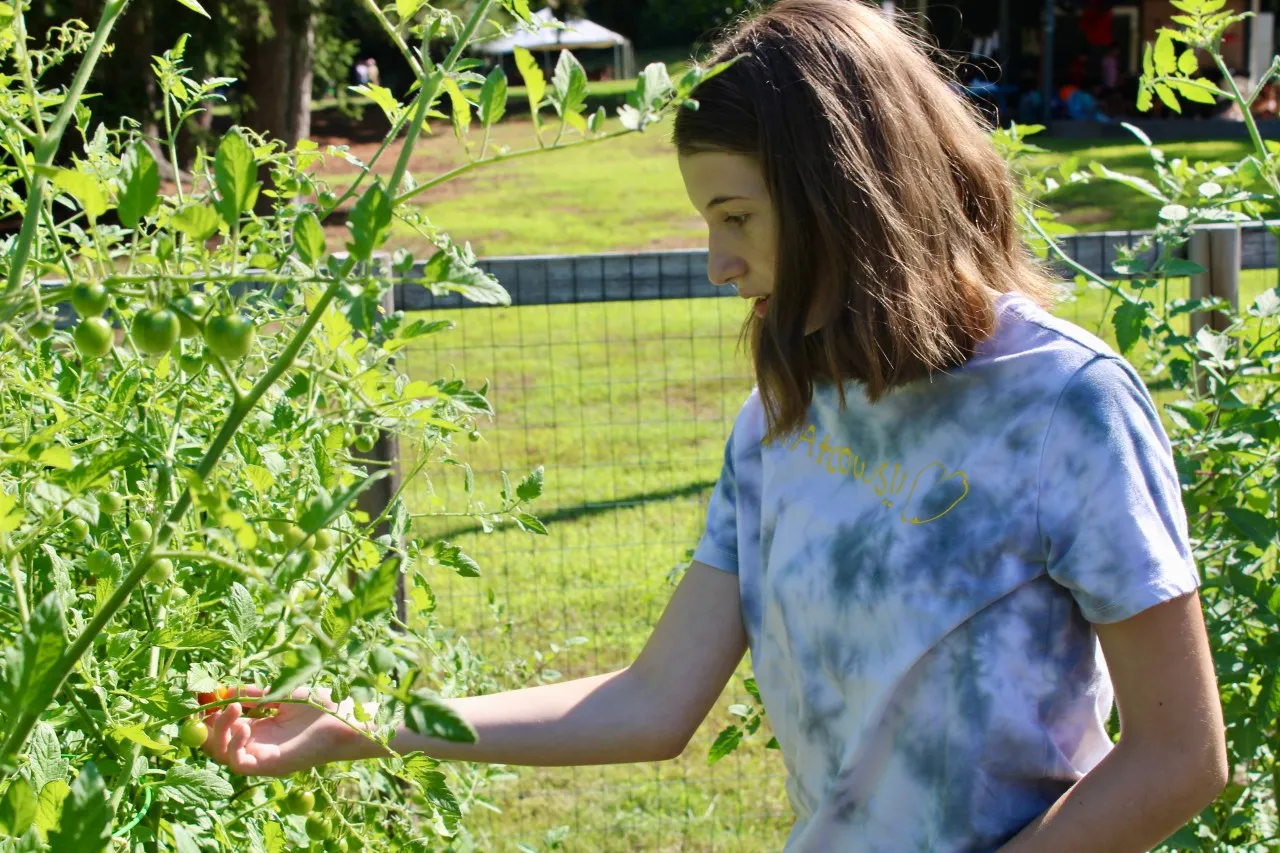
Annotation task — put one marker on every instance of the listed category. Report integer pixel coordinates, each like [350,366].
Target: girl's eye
[736,220]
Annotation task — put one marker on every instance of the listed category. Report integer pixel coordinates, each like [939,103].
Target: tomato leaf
[29,674]
[308,237]
[297,666]
[569,84]
[86,816]
[530,487]
[81,186]
[18,808]
[141,190]
[194,786]
[44,757]
[49,805]
[1128,320]
[461,109]
[234,173]
[1254,526]
[726,742]
[375,592]
[370,222]
[197,221]
[451,556]
[427,714]
[1165,57]
[493,97]
[534,81]
[195,6]
[242,615]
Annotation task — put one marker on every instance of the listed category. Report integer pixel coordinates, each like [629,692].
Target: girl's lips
[760,306]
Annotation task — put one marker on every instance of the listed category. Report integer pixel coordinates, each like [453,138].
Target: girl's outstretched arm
[645,712]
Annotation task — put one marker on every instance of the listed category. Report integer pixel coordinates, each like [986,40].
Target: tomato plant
[186,512]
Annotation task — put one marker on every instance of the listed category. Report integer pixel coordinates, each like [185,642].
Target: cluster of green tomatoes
[155,330]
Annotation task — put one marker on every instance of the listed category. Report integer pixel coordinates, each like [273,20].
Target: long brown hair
[896,215]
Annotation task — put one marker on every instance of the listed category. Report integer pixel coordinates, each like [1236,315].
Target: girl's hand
[291,738]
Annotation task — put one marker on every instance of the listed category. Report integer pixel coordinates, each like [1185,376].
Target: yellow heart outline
[964,479]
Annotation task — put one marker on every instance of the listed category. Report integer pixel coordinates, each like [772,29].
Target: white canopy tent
[576,34]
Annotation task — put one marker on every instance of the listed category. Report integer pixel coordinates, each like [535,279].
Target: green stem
[430,91]
[1259,146]
[24,613]
[49,143]
[395,37]
[24,66]
[499,158]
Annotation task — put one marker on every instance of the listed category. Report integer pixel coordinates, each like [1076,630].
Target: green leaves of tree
[242,615]
[235,173]
[86,816]
[194,6]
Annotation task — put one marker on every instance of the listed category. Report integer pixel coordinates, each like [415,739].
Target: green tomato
[318,828]
[110,502]
[94,337]
[40,329]
[279,526]
[160,571]
[366,441]
[177,594]
[193,733]
[336,845]
[300,802]
[474,435]
[139,530]
[190,364]
[194,306]
[90,299]
[163,740]
[229,336]
[99,562]
[294,536]
[325,539]
[156,332]
[78,530]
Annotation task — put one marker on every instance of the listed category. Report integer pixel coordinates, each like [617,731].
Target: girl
[948,525]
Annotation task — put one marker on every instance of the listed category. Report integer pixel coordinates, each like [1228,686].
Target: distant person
[1111,68]
[371,71]
[948,524]
[362,73]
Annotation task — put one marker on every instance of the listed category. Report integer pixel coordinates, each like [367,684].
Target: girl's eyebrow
[721,199]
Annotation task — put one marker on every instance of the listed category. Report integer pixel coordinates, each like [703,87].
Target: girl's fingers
[220,734]
[240,733]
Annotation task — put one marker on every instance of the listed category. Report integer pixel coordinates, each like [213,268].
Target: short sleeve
[1110,508]
[718,546]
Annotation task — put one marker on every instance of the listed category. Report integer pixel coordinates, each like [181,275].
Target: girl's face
[729,191]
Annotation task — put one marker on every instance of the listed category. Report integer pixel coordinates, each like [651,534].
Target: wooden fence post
[1215,247]
[386,453]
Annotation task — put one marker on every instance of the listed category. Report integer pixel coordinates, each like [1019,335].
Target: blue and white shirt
[919,577]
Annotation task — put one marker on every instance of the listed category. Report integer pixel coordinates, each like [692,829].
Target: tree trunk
[278,77]
[278,73]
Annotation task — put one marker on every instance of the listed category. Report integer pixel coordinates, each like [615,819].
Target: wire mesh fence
[621,374]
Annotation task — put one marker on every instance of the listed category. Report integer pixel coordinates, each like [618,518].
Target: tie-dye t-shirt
[919,577]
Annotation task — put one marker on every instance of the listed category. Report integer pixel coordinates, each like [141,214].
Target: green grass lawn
[627,405]
[626,194]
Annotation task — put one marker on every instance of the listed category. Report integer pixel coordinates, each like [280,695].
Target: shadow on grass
[586,510]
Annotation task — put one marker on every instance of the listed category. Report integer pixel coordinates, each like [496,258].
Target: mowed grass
[626,194]
[627,405]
